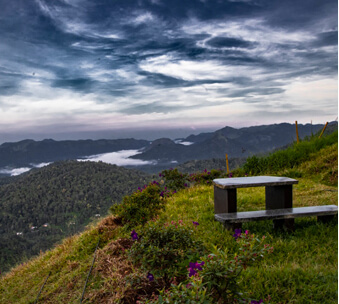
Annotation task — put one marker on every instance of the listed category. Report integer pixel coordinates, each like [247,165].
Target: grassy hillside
[301,269]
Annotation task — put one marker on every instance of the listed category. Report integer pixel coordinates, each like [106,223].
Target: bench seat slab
[276,214]
[253,181]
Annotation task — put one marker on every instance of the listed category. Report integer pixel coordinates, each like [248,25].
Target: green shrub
[165,250]
[141,206]
[216,278]
[205,177]
[194,293]
[254,165]
[174,179]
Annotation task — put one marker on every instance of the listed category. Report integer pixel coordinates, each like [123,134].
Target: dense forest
[43,206]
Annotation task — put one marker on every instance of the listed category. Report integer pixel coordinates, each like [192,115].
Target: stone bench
[278,202]
[234,220]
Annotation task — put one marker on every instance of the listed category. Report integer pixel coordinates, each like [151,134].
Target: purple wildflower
[134,235]
[150,277]
[199,266]
[257,302]
[160,174]
[192,272]
[237,233]
[195,223]
[230,175]
[194,267]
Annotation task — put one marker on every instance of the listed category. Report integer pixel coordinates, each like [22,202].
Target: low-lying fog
[120,158]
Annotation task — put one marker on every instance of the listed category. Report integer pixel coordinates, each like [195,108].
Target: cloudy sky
[114,67]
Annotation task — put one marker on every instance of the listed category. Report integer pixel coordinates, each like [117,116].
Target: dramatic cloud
[81,65]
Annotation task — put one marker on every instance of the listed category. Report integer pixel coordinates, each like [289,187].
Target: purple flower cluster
[194,267]
[140,189]
[150,277]
[237,233]
[195,223]
[134,235]
[257,302]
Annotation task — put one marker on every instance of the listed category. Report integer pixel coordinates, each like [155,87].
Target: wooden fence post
[296,128]
[322,132]
[227,168]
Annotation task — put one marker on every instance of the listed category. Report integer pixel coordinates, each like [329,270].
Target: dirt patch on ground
[107,228]
[121,281]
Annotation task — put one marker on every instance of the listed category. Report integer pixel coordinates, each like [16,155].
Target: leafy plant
[174,179]
[205,177]
[192,293]
[216,278]
[165,249]
[221,272]
[141,206]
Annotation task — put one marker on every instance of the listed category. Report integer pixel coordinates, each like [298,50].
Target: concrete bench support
[280,197]
[225,200]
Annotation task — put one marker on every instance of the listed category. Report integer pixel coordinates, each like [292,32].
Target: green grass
[291,157]
[303,266]
[302,269]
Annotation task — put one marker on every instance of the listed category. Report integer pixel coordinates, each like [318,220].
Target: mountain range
[163,152]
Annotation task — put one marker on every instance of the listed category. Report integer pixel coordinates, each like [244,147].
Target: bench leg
[225,200]
[232,226]
[280,197]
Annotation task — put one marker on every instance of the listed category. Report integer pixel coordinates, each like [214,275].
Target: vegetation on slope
[289,158]
[44,206]
[301,269]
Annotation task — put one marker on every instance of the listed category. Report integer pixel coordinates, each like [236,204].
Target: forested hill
[63,197]
[28,151]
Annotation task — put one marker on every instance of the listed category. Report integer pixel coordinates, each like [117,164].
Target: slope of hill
[45,205]
[302,268]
